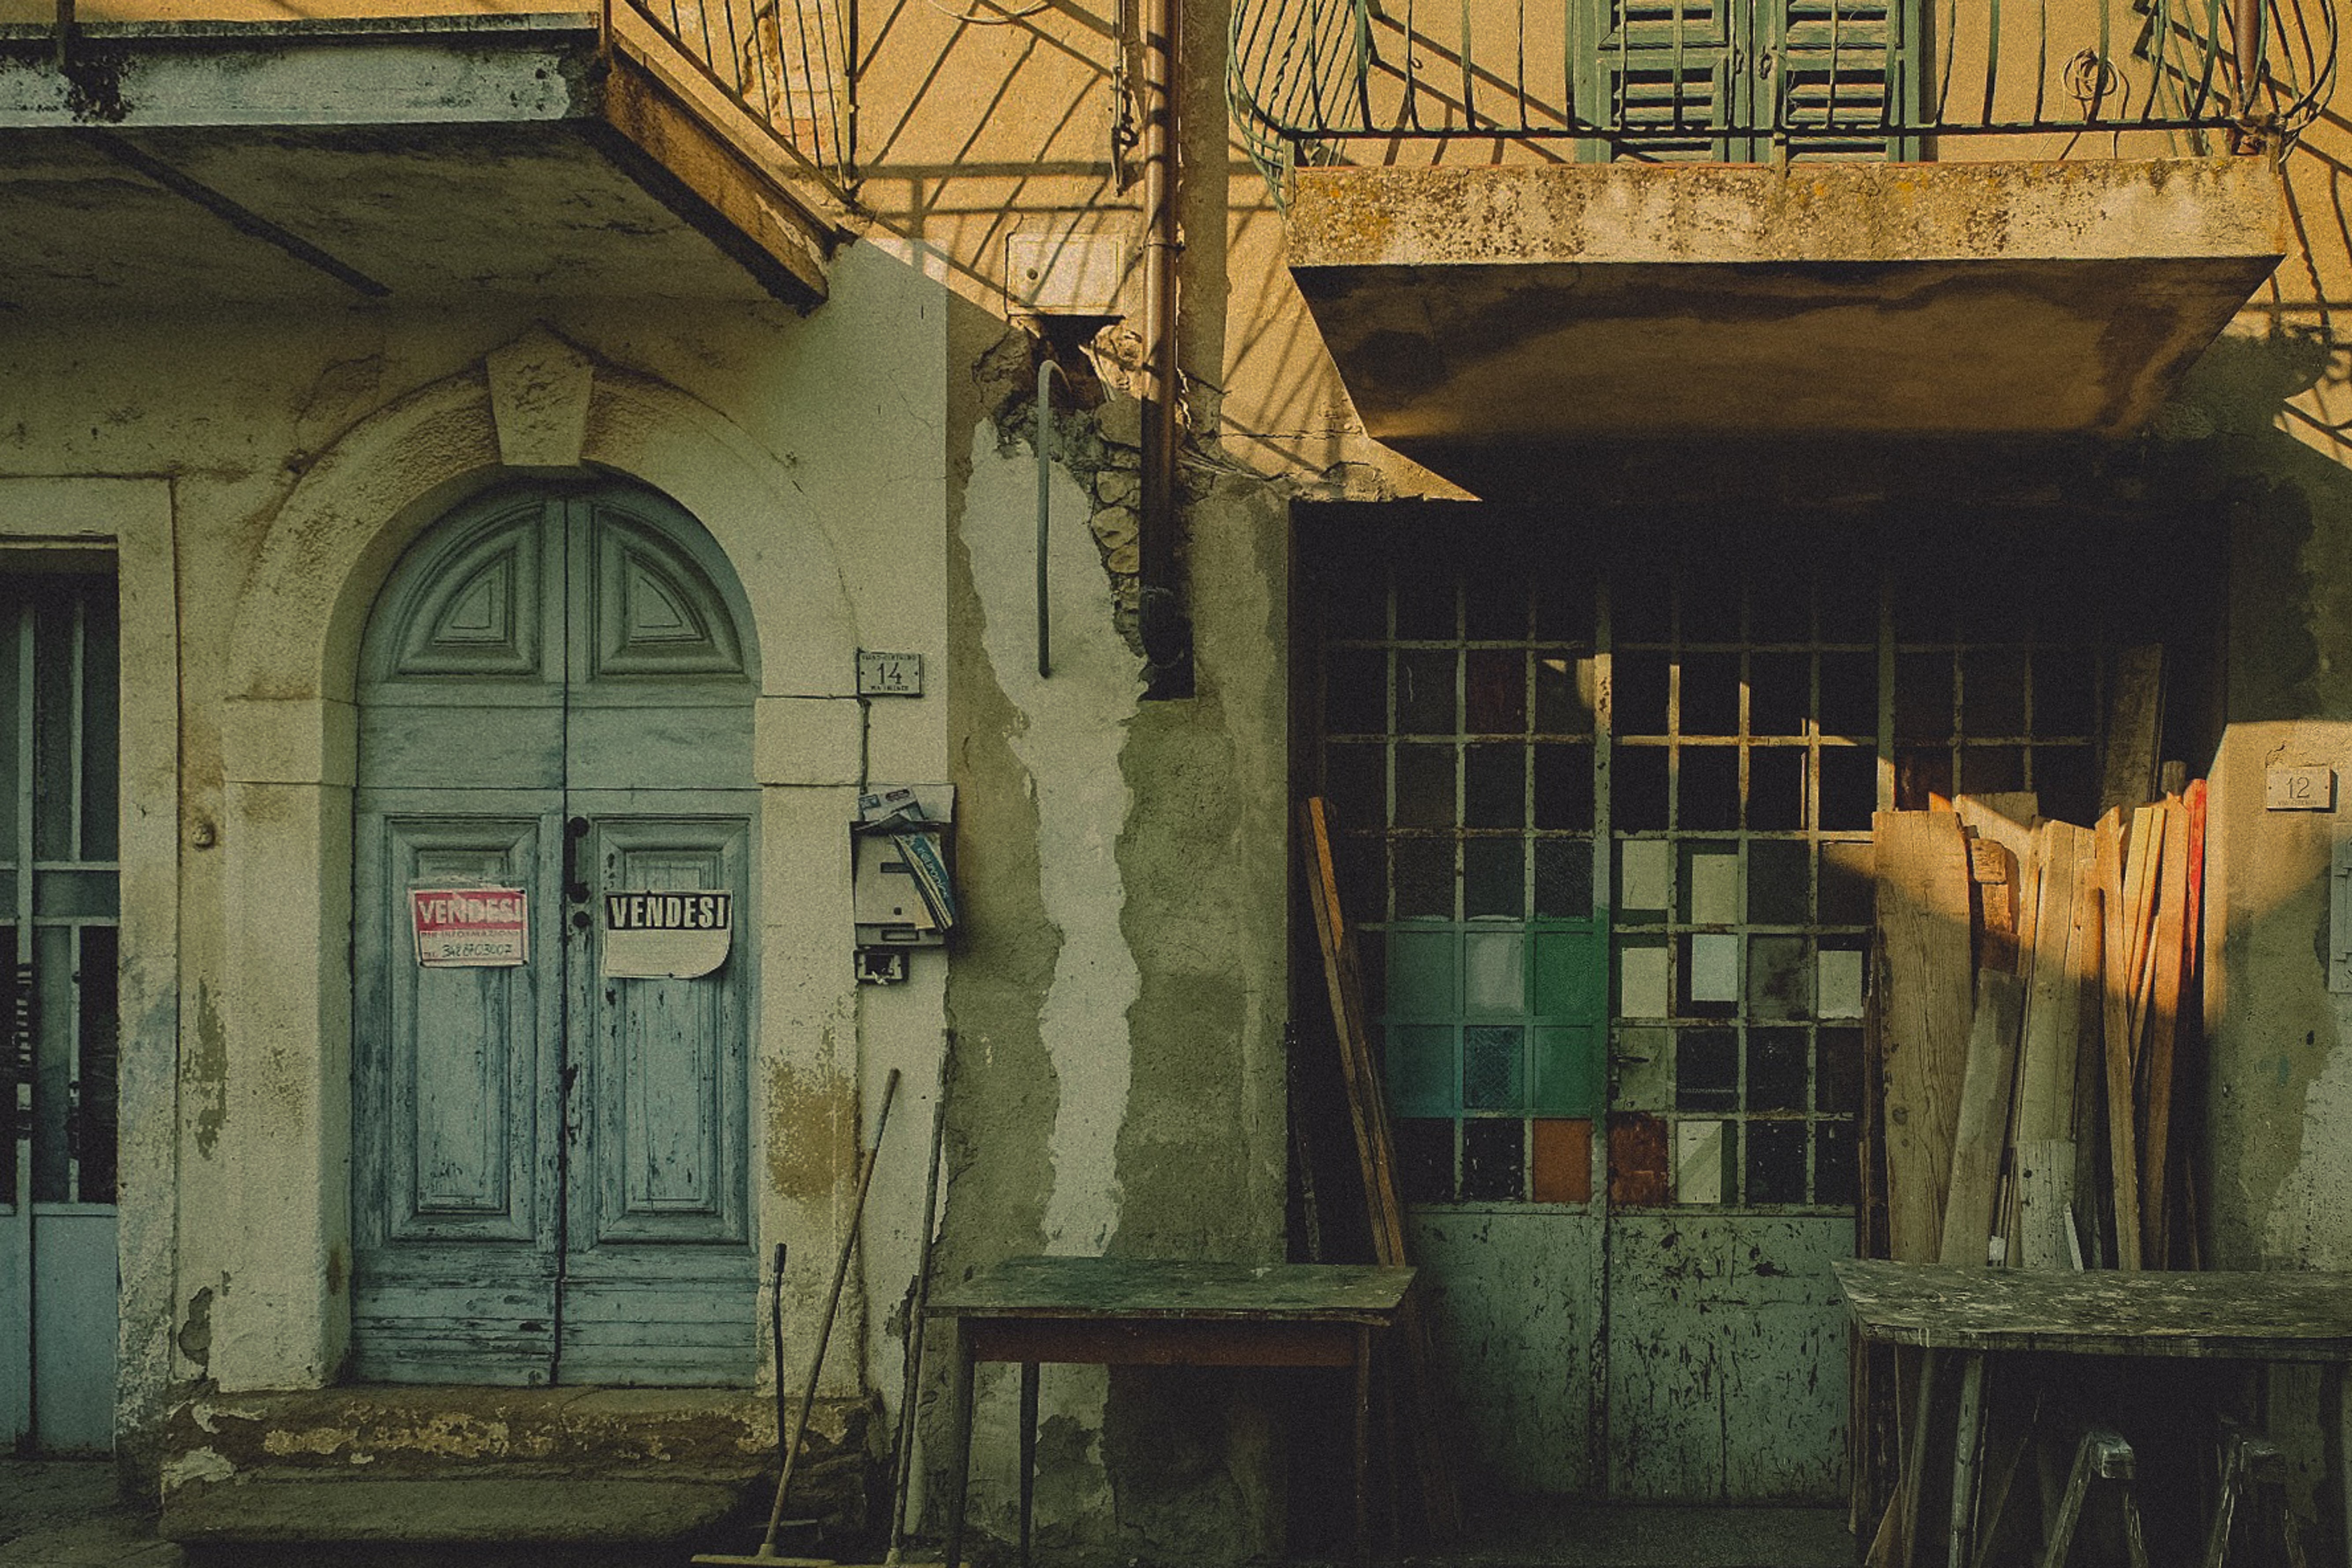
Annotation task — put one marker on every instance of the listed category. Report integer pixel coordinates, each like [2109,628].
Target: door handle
[575,838]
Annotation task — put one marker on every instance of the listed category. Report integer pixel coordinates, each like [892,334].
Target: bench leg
[2102,1454]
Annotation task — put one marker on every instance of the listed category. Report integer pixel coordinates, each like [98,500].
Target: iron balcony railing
[786,64]
[1757,80]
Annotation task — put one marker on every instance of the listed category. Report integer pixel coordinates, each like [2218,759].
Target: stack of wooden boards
[2035,997]
[2032,1026]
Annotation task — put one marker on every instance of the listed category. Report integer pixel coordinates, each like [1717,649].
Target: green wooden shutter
[1844,67]
[1720,81]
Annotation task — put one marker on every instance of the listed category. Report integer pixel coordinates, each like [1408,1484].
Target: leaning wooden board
[2278,1316]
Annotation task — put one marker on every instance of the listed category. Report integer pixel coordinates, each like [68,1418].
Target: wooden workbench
[2290,1317]
[1126,1311]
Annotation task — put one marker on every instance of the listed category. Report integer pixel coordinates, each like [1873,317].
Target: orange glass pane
[1564,1172]
[1637,1160]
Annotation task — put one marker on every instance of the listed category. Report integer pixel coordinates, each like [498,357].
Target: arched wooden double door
[550,1172]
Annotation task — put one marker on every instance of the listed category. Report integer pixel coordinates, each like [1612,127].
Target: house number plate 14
[889,674]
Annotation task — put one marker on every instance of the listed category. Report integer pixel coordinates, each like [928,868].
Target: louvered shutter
[1840,72]
[1716,81]
[1666,70]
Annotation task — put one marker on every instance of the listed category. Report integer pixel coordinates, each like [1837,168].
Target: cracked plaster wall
[224,416]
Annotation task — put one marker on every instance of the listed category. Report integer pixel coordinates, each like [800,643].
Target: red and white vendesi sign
[471,928]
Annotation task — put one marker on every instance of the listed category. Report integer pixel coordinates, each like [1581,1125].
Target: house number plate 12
[889,674]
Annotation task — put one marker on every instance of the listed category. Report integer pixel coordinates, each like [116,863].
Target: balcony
[1523,223]
[144,164]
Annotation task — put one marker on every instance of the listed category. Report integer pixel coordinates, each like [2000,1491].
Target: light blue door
[549,1169]
[59,905]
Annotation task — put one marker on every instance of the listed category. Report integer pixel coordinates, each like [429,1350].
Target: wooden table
[2266,1317]
[1127,1312]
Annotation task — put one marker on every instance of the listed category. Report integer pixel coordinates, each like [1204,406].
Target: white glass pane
[1839,977]
[1493,973]
[1714,968]
[1643,990]
[1699,1162]
[1713,887]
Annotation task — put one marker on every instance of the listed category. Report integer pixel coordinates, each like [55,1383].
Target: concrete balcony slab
[323,162]
[1542,306]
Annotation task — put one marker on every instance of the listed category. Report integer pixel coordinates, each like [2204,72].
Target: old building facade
[448,449]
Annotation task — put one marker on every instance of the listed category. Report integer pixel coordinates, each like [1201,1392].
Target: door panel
[456,1186]
[661,1262]
[669,1146]
[1512,1297]
[460,1083]
[553,1181]
[1726,1357]
[58,962]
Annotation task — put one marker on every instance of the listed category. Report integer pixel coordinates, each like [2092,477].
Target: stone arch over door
[289,755]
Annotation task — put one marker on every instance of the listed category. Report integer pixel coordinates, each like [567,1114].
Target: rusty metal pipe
[2246,22]
[1167,635]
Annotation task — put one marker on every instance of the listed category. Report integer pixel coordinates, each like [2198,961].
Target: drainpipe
[2245,21]
[1167,632]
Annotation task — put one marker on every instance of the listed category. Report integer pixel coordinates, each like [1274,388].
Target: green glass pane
[1568,1072]
[1420,1069]
[1494,1067]
[1421,974]
[1571,982]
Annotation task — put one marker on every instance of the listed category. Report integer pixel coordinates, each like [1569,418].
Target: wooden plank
[2141,875]
[1367,1104]
[2045,1106]
[2171,936]
[1923,921]
[2002,822]
[2045,1181]
[2115,997]
[1368,1109]
[2135,725]
[2296,1316]
[1982,1131]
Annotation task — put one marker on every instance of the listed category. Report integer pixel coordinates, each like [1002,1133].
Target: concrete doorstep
[71,1514]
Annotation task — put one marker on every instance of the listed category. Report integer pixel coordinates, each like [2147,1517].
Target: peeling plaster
[1072,730]
[2309,1226]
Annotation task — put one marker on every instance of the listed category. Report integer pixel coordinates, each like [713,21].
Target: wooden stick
[2115,993]
[2170,956]
[2140,877]
[1367,1106]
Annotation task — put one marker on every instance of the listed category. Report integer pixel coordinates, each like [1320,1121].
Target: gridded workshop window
[1603,829]
[1745,747]
[1459,758]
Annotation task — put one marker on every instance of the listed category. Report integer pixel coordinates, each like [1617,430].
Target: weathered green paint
[551,1179]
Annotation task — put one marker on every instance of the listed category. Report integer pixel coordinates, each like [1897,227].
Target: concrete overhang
[1478,310]
[323,162]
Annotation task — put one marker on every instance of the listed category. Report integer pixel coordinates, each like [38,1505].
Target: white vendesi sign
[666,935]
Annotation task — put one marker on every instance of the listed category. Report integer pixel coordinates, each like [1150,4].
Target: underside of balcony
[156,165]
[1479,310]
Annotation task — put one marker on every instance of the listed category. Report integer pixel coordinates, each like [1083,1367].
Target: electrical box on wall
[902,894]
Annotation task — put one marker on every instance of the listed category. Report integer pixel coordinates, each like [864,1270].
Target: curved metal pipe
[1046,369]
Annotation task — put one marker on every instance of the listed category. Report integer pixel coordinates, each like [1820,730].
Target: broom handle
[832,1305]
[911,1386]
